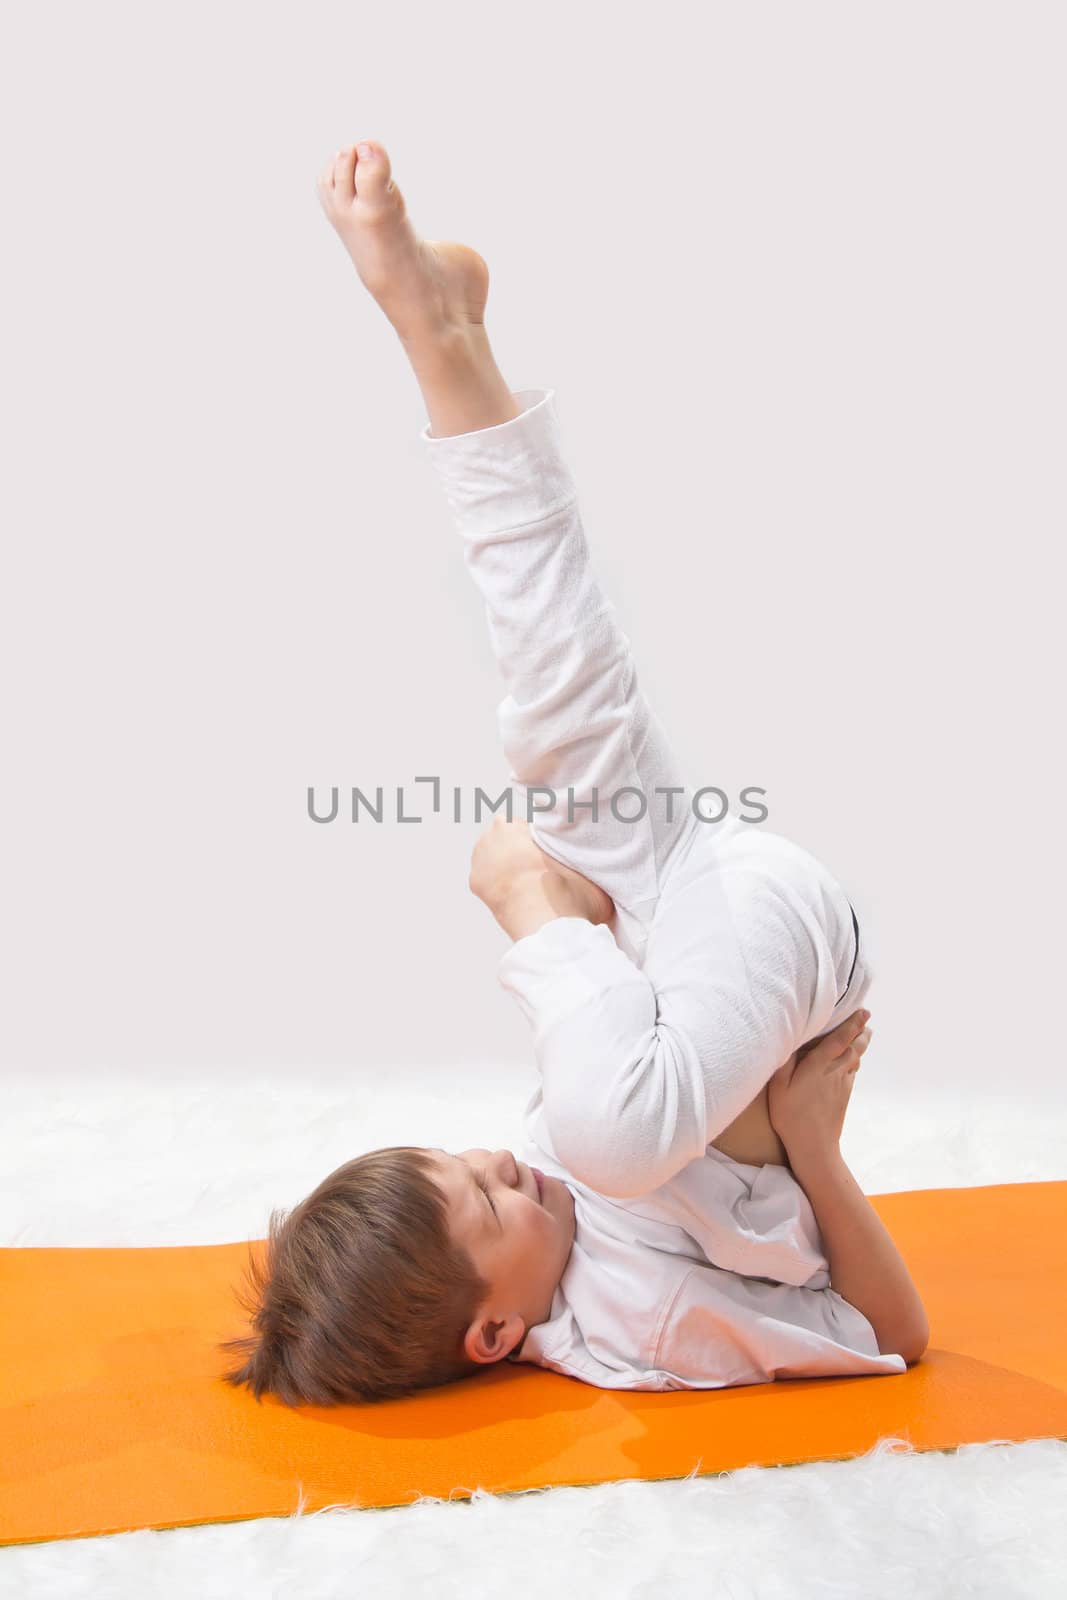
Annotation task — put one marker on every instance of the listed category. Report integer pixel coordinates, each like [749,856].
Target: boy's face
[518,1239]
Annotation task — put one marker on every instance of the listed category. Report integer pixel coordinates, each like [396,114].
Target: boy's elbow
[911,1347]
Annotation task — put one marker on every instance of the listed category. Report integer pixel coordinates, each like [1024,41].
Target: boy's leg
[574,710]
[462,386]
[574,716]
[591,768]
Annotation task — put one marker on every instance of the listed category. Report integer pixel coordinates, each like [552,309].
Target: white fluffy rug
[107,1162]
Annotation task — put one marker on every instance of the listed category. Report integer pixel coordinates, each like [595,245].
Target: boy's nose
[507,1166]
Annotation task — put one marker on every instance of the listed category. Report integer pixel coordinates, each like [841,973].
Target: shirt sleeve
[756,1221]
[722,1330]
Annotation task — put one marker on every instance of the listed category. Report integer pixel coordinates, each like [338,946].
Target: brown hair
[361,1293]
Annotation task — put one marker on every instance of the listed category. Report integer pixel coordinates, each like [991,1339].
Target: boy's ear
[491,1339]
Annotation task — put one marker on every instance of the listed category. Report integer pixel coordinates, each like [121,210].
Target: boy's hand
[808,1096]
[518,882]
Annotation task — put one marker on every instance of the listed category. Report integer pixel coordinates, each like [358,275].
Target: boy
[671,1235]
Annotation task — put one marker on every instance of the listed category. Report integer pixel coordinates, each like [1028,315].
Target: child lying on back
[669,964]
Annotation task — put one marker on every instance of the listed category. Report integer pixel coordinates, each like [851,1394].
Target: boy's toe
[372,171]
[344,169]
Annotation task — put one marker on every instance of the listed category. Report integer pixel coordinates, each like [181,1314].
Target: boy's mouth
[539,1179]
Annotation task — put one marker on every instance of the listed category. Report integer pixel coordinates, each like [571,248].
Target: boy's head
[404,1269]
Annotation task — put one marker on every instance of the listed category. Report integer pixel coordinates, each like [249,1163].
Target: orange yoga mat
[112,1415]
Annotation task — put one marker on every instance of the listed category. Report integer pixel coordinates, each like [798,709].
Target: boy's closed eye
[485,1190]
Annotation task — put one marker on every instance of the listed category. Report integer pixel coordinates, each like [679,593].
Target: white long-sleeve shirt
[715,1277]
[729,948]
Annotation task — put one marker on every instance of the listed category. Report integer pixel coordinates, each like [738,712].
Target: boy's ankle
[460,381]
[436,347]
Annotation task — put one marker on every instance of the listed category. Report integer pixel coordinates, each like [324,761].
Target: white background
[796,275]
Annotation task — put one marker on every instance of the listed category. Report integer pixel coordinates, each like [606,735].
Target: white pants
[651,1035]
[575,720]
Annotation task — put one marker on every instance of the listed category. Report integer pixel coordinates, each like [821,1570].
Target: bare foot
[426,287]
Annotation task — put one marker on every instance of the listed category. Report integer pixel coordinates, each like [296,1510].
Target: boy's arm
[866,1268]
